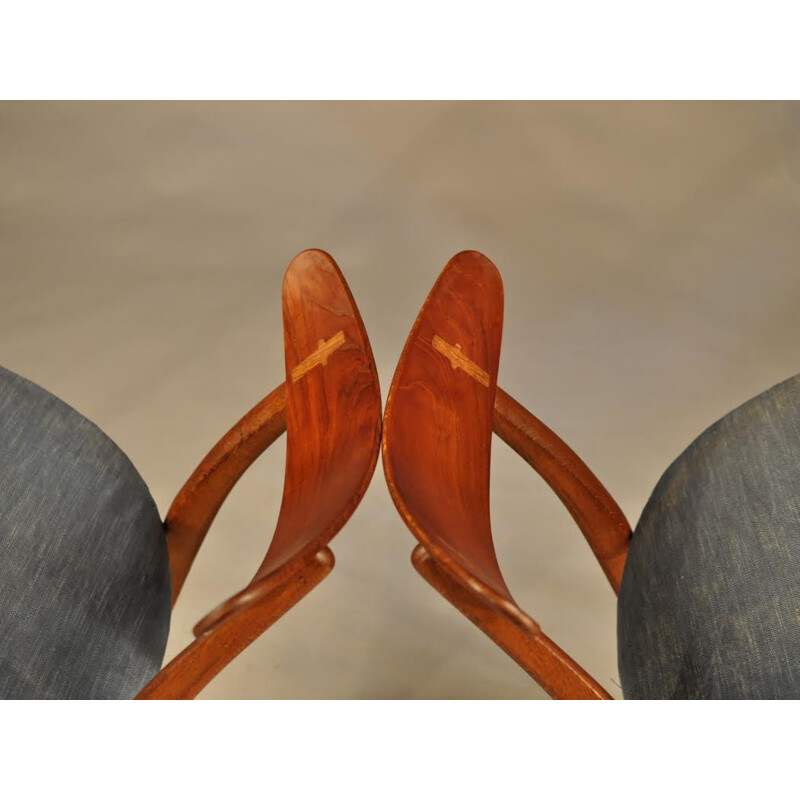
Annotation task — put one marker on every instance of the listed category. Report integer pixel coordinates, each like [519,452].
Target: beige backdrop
[651,259]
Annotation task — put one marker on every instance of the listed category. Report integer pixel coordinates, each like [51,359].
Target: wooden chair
[330,408]
[443,405]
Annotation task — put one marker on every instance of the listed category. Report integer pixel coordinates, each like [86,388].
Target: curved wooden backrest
[438,422]
[438,425]
[330,407]
[333,414]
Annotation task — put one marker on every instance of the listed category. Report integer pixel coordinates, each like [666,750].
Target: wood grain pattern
[536,653]
[438,427]
[332,418]
[595,511]
[196,505]
[333,415]
[219,643]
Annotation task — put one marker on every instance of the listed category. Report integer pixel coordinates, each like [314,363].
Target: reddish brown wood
[535,652]
[587,500]
[333,415]
[438,424]
[198,502]
[221,641]
[330,407]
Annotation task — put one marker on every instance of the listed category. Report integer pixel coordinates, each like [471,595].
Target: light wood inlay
[459,361]
[319,356]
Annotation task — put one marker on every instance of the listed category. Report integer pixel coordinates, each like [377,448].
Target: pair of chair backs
[708,599]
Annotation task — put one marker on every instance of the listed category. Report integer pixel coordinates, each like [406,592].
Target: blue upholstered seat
[84,576]
[709,605]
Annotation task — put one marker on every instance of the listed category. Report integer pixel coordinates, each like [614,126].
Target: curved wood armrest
[197,503]
[247,616]
[587,500]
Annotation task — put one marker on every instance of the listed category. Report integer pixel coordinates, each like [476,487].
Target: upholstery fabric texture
[709,606]
[84,575]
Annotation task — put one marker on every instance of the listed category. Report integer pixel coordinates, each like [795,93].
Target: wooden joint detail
[459,361]
[319,356]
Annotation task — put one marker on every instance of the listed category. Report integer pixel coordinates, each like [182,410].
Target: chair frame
[453,573]
[316,297]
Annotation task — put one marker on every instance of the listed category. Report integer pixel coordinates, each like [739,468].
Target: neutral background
[651,260]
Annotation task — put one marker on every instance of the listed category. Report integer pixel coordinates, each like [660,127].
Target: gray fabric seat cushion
[84,577]
[709,605]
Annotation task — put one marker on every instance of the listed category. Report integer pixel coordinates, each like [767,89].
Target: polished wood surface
[218,643]
[594,510]
[196,505]
[330,407]
[442,408]
[333,415]
[438,424]
[535,652]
